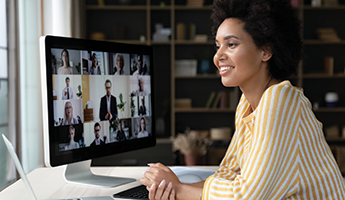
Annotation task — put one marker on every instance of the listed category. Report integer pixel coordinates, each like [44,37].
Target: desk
[49,183]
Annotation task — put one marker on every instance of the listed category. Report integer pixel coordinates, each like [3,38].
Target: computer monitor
[97,99]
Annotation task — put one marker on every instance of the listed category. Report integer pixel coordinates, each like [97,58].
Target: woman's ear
[266,53]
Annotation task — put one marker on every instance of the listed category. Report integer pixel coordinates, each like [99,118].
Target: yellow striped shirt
[277,152]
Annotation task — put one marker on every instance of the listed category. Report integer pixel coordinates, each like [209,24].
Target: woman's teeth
[226,68]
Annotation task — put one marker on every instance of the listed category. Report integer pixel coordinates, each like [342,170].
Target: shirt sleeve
[269,169]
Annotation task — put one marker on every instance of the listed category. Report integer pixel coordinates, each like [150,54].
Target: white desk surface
[49,183]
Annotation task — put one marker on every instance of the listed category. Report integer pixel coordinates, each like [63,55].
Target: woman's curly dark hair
[272,23]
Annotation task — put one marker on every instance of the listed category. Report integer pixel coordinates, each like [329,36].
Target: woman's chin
[228,82]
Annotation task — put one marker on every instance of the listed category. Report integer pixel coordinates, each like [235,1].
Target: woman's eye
[232,45]
[216,47]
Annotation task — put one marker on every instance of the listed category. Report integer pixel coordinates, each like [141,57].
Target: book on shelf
[329,65]
[328,34]
[183,103]
[192,31]
[210,99]
[223,100]
[216,100]
[197,3]
[180,31]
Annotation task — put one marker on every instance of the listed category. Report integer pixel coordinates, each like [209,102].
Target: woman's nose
[220,54]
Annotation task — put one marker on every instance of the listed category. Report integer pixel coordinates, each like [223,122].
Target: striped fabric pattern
[277,152]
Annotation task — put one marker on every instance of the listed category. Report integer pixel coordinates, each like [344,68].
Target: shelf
[322,75]
[323,109]
[338,7]
[311,42]
[129,41]
[199,76]
[192,42]
[185,7]
[204,110]
[339,141]
[161,43]
[160,7]
[144,7]
[111,7]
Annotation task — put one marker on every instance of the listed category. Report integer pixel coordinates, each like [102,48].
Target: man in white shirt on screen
[67,92]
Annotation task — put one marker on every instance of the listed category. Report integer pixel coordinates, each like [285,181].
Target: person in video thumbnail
[120,136]
[68,115]
[142,68]
[108,108]
[120,62]
[141,91]
[65,67]
[67,92]
[143,133]
[142,108]
[97,140]
[95,69]
[71,143]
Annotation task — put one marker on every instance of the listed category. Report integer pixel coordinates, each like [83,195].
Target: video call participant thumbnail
[67,92]
[120,133]
[120,62]
[71,143]
[142,131]
[108,107]
[95,69]
[97,140]
[65,67]
[68,115]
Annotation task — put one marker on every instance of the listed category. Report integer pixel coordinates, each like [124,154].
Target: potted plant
[191,144]
[122,104]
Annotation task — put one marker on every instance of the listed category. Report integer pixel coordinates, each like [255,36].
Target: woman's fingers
[172,195]
[162,192]
[167,192]
[152,192]
[160,189]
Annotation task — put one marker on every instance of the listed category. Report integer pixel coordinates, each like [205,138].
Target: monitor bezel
[51,156]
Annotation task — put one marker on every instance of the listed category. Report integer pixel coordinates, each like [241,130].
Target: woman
[65,67]
[68,115]
[278,150]
[71,143]
[120,63]
[95,69]
[142,133]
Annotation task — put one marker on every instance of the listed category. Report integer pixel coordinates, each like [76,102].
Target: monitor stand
[80,173]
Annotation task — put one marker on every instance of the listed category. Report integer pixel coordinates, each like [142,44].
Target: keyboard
[139,192]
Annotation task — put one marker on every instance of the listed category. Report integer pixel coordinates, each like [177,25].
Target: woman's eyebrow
[228,37]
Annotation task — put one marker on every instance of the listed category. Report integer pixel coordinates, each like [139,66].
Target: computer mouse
[190,178]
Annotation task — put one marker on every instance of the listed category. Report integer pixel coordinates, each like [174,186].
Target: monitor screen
[97,98]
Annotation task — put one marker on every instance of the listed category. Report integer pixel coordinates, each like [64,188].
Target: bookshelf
[144,14]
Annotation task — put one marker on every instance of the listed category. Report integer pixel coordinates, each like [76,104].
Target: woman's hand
[163,192]
[157,173]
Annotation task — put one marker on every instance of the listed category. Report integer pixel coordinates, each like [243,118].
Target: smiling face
[239,61]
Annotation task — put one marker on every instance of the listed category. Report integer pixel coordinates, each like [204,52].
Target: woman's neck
[253,92]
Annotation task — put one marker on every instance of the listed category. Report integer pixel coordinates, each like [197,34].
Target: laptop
[27,183]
